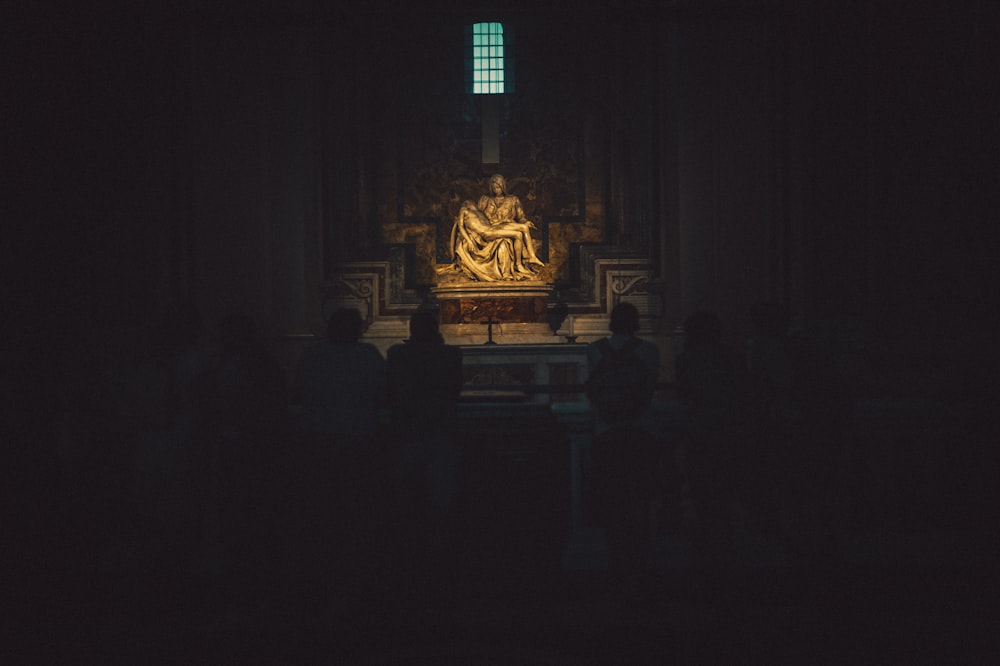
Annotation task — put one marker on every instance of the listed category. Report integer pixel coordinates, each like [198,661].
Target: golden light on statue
[491,241]
[493,277]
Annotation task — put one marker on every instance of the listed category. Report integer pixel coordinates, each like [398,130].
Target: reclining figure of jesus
[492,241]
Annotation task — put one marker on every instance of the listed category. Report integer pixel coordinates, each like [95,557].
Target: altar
[541,373]
[540,376]
[525,402]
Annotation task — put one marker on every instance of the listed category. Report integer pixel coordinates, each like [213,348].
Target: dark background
[838,156]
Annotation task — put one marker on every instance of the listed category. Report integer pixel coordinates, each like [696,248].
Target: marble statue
[491,241]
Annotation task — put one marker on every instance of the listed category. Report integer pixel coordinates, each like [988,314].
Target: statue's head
[497,179]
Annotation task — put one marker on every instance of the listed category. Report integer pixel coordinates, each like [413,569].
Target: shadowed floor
[922,597]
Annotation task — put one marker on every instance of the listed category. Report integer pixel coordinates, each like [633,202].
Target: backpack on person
[618,387]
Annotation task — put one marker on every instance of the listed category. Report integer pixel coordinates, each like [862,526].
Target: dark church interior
[194,182]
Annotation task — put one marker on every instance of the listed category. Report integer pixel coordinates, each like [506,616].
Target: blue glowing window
[487,59]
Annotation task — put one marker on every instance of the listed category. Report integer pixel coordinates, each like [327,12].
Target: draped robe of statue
[492,241]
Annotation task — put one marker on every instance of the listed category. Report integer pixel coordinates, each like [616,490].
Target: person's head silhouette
[345,326]
[424,328]
[624,319]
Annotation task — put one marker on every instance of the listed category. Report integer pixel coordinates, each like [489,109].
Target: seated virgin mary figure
[492,241]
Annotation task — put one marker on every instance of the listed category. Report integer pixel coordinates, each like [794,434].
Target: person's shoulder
[405,351]
[397,350]
[646,351]
[442,349]
[648,345]
[358,350]
[595,348]
[314,354]
[619,341]
[371,349]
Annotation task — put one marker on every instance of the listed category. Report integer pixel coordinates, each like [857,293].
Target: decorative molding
[607,276]
[377,288]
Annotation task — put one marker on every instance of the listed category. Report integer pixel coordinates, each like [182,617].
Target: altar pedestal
[519,311]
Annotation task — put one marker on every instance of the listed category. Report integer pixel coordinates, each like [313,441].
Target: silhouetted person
[802,404]
[247,402]
[341,384]
[623,371]
[341,381]
[711,382]
[131,465]
[424,383]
